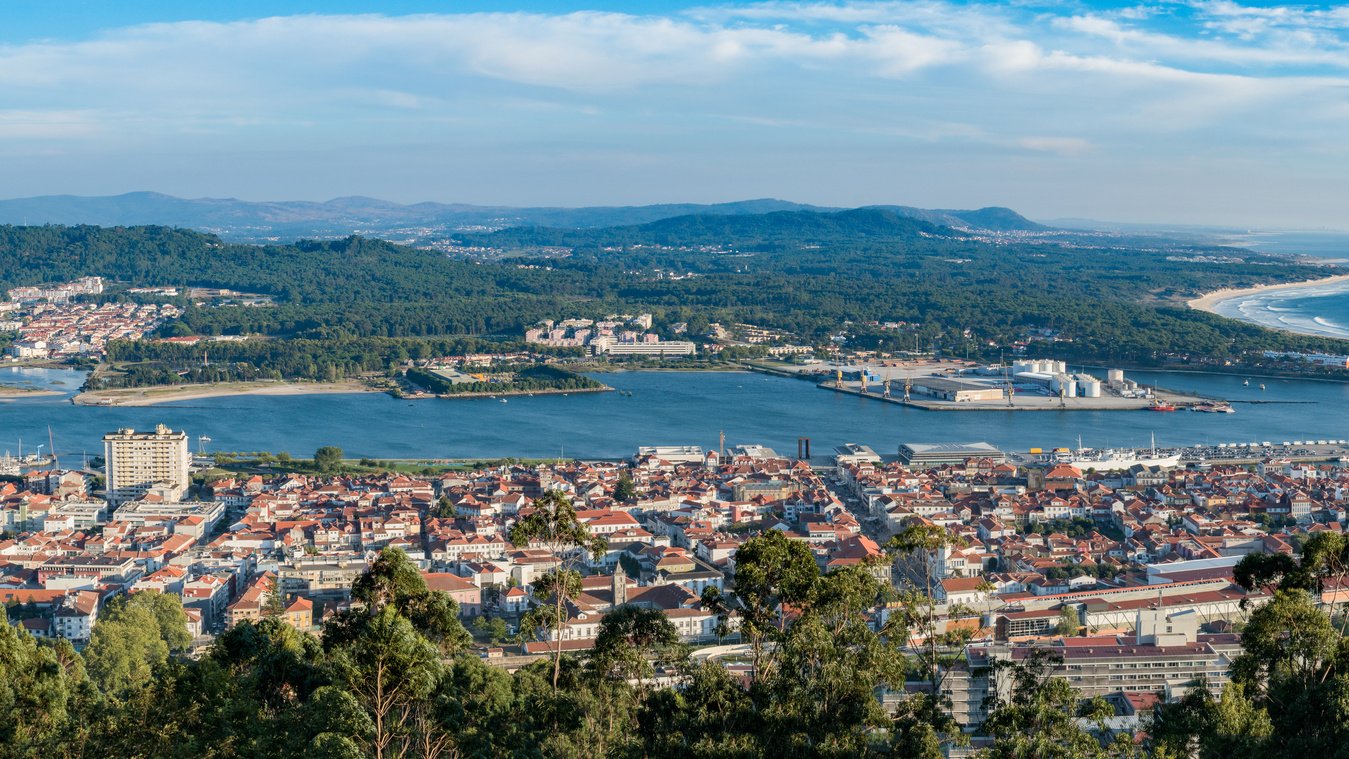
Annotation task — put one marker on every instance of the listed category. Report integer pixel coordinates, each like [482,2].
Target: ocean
[1321,310]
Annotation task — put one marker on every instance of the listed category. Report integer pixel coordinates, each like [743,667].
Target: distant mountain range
[246,220]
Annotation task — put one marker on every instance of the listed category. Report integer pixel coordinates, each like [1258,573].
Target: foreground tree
[822,697]
[1034,715]
[392,671]
[630,638]
[933,643]
[710,717]
[133,637]
[392,580]
[772,573]
[1230,727]
[38,687]
[552,524]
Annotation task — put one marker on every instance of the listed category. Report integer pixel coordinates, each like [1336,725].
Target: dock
[1020,402]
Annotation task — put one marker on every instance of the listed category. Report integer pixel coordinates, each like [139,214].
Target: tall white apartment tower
[137,462]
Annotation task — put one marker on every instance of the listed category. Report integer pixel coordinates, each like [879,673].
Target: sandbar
[148,396]
[12,391]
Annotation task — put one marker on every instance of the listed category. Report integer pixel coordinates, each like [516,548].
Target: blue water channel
[658,408]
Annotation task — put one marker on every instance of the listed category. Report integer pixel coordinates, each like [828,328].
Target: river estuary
[663,408]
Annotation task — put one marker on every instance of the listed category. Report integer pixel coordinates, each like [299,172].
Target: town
[53,322]
[1127,573]
[615,335]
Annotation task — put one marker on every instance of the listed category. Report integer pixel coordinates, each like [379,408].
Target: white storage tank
[1062,385]
[1091,389]
[1115,376]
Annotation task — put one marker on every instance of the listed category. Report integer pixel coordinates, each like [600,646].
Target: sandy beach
[1210,301]
[149,396]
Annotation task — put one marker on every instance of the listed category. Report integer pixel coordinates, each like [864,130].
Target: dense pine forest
[357,305]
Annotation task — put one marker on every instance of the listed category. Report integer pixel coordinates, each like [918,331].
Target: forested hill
[813,274]
[352,269]
[758,231]
[992,219]
[288,220]
[356,286]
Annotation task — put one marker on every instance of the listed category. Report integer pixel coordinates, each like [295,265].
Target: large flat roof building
[939,454]
[139,461]
[958,391]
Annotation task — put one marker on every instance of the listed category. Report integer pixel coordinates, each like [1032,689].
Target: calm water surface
[664,408]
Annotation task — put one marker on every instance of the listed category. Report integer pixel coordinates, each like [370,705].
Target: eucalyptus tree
[630,638]
[929,638]
[551,524]
[1039,716]
[772,573]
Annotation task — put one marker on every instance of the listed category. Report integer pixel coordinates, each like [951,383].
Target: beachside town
[1126,573]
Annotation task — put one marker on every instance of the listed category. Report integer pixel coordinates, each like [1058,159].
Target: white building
[139,461]
[613,347]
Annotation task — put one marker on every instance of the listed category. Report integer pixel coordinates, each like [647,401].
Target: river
[664,408]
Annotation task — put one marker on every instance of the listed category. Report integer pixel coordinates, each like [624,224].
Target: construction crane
[838,379]
[863,375]
[885,388]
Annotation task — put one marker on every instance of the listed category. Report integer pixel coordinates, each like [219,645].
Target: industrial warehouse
[1029,385]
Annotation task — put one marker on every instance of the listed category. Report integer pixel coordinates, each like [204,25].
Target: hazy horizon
[1197,113]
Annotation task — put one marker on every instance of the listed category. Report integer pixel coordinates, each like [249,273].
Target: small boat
[1246,383]
[503,400]
[1262,386]
[1160,406]
[1214,407]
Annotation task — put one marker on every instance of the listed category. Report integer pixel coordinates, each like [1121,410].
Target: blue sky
[1209,111]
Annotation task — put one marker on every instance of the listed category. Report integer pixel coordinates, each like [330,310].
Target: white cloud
[706,86]
[1064,146]
[48,125]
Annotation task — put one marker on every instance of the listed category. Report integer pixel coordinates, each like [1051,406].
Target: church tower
[620,586]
